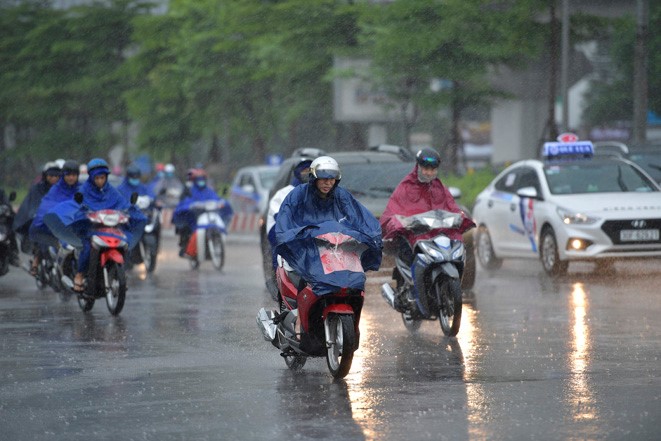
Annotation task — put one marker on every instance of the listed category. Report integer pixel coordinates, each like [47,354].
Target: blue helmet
[97,166]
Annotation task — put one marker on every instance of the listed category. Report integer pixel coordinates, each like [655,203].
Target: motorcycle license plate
[639,235]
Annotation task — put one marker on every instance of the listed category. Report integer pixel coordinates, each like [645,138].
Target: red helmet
[196,173]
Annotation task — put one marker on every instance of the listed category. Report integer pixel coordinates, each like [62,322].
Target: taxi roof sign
[567,137]
[567,150]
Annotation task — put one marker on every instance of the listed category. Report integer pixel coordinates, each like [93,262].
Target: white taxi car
[570,206]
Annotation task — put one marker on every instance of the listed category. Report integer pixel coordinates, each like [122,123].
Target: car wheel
[468,277]
[549,254]
[485,252]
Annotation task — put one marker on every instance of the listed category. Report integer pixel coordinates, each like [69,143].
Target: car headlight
[573,218]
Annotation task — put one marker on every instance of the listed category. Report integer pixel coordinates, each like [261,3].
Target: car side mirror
[455,192]
[134,198]
[78,197]
[529,192]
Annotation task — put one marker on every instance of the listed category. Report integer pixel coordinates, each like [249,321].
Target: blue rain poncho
[304,215]
[184,216]
[68,221]
[59,192]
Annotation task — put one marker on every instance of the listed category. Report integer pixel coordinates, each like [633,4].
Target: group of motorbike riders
[53,213]
[50,215]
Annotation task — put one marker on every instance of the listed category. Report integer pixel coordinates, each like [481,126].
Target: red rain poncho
[412,197]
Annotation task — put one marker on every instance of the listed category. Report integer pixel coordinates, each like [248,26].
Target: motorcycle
[147,250]
[208,239]
[430,287]
[6,218]
[110,243]
[46,274]
[66,264]
[318,318]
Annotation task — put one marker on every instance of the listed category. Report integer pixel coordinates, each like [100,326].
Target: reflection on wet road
[572,358]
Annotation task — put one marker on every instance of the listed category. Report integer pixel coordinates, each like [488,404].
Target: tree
[63,88]
[412,42]
[609,100]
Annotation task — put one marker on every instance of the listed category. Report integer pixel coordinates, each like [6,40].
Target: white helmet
[325,167]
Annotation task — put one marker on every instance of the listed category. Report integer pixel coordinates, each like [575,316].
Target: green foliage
[610,99]
[470,184]
[243,78]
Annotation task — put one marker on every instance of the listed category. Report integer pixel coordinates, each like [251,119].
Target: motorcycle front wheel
[295,362]
[4,261]
[216,249]
[448,293]
[115,287]
[41,278]
[341,342]
[86,304]
[148,253]
[410,323]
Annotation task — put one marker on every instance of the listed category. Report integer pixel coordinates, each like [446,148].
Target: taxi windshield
[595,177]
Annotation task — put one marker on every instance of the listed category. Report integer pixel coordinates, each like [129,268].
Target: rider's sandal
[79,287]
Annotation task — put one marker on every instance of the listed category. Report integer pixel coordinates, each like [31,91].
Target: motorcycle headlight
[574,218]
[458,253]
[431,251]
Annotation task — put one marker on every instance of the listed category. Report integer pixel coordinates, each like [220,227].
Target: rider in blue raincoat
[184,218]
[319,207]
[62,191]
[132,183]
[50,175]
[68,220]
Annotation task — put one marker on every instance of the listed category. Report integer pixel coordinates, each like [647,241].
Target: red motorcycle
[106,276]
[314,319]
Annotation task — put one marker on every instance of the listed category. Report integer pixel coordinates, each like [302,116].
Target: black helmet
[70,167]
[133,171]
[428,158]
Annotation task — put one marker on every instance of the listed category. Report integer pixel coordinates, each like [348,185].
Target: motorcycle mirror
[134,198]
[78,197]
[12,196]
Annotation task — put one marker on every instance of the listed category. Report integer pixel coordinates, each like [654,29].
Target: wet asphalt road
[577,358]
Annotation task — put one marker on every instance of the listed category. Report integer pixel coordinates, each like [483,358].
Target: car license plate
[638,235]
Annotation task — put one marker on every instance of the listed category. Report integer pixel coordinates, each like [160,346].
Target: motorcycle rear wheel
[116,288]
[448,293]
[341,344]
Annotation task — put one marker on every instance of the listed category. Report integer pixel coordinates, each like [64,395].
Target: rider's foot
[79,283]
[35,267]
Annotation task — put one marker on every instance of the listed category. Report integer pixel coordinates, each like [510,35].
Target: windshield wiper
[620,181]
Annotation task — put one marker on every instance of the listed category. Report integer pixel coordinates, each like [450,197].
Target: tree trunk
[215,153]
